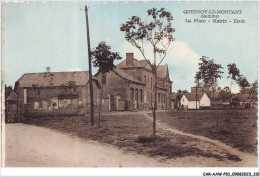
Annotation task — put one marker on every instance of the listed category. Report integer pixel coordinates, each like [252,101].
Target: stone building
[174,101]
[8,90]
[54,93]
[130,86]
[11,107]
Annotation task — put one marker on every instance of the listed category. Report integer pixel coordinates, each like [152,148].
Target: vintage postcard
[130,84]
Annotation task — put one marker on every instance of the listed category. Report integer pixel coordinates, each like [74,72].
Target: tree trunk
[100,103]
[230,101]
[217,119]
[196,97]
[155,101]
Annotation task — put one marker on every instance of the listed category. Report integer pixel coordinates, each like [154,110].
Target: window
[136,94]
[103,79]
[162,98]
[145,79]
[151,99]
[25,96]
[151,82]
[132,94]
[159,99]
[36,105]
[44,105]
[141,95]
[63,103]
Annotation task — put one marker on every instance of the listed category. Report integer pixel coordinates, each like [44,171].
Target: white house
[189,101]
[205,101]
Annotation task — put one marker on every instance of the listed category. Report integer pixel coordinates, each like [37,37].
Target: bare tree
[158,34]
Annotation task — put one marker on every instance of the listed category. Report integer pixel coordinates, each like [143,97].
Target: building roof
[127,75]
[174,95]
[12,96]
[160,85]
[136,63]
[125,71]
[162,71]
[192,97]
[145,64]
[53,78]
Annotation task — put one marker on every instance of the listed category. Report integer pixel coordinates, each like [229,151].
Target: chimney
[129,59]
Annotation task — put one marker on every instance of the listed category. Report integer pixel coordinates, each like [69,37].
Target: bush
[145,139]
[149,139]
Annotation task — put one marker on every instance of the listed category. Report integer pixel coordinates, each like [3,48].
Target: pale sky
[36,35]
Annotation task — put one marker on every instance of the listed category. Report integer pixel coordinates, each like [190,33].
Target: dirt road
[28,145]
[31,146]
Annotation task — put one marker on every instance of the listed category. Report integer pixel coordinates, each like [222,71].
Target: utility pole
[90,71]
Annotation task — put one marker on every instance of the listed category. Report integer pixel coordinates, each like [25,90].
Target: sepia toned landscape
[182,136]
[140,89]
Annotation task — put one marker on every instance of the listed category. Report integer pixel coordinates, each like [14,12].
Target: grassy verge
[131,133]
[240,132]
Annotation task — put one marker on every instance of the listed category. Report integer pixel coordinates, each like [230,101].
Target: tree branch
[133,42]
[169,42]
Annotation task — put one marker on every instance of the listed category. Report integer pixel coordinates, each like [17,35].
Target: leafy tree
[49,75]
[157,33]
[104,59]
[233,73]
[208,74]
[224,95]
[69,86]
[243,84]
[48,69]
[235,101]
[180,93]
[254,91]
[226,89]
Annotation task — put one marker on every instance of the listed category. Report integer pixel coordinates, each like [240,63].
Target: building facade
[193,101]
[54,94]
[130,86]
